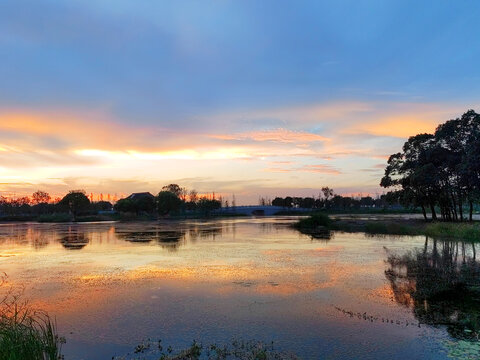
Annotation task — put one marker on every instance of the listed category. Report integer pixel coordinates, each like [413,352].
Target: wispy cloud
[277,135]
[314,168]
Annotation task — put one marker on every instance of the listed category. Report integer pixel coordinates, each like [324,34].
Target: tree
[278,201]
[173,188]
[327,194]
[40,197]
[440,170]
[208,205]
[75,201]
[193,196]
[168,202]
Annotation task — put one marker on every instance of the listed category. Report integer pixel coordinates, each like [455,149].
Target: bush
[314,221]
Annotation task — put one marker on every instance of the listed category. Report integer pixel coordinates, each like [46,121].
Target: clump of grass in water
[237,350]
[26,334]
[314,221]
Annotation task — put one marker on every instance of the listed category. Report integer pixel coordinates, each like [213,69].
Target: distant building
[140,195]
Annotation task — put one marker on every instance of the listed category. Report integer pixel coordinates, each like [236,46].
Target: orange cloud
[397,126]
[278,135]
[316,168]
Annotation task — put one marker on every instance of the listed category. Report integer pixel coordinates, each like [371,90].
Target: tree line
[439,172]
[41,203]
[172,199]
[327,199]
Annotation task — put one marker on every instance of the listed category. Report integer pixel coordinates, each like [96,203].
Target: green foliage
[26,334]
[441,170]
[466,231]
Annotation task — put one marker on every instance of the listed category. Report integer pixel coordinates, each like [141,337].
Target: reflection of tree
[204,233]
[442,285]
[166,238]
[318,233]
[137,236]
[74,241]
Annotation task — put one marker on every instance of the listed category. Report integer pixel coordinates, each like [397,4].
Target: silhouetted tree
[208,205]
[439,170]
[173,188]
[327,194]
[39,197]
[76,202]
[168,202]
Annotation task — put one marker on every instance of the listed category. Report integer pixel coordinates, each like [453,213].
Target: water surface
[110,285]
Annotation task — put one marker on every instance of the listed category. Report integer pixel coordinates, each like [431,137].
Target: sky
[252,98]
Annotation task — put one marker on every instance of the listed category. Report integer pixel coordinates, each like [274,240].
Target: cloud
[278,135]
[314,168]
[351,136]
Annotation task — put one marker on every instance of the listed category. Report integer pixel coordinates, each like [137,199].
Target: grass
[237,350]
[460,231]
[25,333]
[467,231]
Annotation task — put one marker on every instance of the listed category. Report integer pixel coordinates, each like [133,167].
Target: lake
[339,296]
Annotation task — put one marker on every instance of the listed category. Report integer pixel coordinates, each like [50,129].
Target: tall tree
[75,201]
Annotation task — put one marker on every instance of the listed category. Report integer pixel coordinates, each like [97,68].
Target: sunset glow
[214,105]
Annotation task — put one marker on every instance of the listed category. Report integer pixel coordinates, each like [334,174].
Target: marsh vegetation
[25,332]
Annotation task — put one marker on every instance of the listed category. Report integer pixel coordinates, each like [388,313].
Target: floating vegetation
[236,350]
[376,318]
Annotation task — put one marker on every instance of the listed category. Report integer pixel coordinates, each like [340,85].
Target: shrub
[314,221]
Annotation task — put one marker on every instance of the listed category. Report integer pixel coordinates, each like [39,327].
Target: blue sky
[236,88]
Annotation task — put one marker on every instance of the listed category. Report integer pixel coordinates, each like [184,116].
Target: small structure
[139,196]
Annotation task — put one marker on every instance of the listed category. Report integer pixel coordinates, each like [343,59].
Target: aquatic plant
[26,333]
[236,350]
[467,231]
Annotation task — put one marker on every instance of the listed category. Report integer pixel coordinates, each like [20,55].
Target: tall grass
[26,333]
[464,231]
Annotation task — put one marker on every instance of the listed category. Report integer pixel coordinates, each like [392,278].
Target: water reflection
[148,236]
[250,278]
[441,283]
[318,234]
[74,240]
